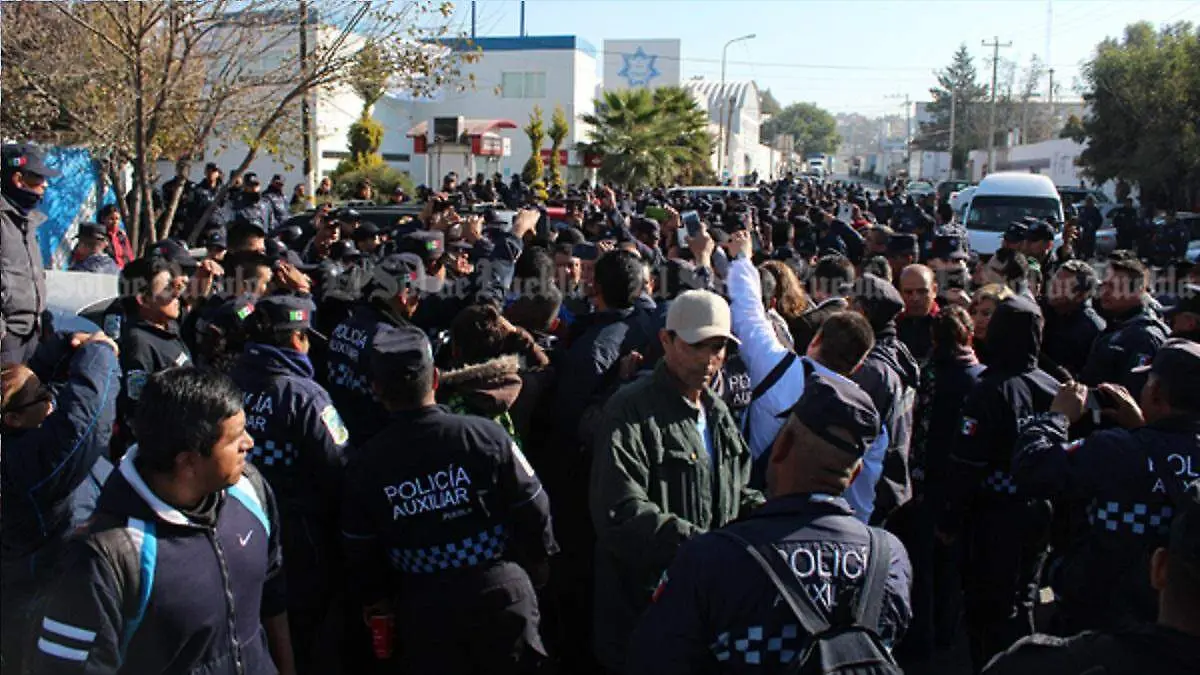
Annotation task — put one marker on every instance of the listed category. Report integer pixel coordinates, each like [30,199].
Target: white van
[1004,197]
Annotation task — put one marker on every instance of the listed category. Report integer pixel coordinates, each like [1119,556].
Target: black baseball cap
[1189,301]
[393,274]
[215,238]
[1177,364]
[29,158]
[1039,231]
[250,178]
[173,252]
[211,166]
[91,231]
[400,352]
[426,245]
[948,247]
[366,231]
[585,251]
[1016,232]
[347,216]
[286,312]
[831,402]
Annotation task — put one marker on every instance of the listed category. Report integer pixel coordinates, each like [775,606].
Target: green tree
[650,138]
[535,169]
[1073,129]
[1143,92]
[558,134]
[767,103]
[811,127]
[957,82]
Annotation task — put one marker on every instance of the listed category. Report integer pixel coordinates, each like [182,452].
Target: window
[523,85]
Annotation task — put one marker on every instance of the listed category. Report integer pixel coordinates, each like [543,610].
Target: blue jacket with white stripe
[152,590]
[44,466]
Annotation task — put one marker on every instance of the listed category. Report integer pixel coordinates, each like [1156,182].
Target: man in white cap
[669,464]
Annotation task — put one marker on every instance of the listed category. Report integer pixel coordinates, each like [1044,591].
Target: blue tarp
[70,199]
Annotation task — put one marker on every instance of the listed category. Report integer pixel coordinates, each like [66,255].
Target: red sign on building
[562,157]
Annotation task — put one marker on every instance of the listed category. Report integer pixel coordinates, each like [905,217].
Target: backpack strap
[869,605]
[811,618]
[769,381]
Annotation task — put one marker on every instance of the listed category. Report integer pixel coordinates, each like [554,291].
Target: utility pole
[721,140]
[953,109]
[1051,95]
[907,128]
[995,44]
[305,130]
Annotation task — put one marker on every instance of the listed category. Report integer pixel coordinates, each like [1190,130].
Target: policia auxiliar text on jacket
[445,535]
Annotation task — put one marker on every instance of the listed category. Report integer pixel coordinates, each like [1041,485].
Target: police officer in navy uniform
[149,335]
[716,611]
[299,447]
[1132,477]
[388,299]
[1006,527]
[1134,331]
[444,510]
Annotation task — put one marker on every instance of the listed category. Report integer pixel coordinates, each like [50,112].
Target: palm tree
[648,138]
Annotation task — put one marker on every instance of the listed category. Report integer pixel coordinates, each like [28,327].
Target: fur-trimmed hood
[488,388]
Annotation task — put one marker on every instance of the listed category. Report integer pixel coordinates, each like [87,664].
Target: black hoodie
[1011,391]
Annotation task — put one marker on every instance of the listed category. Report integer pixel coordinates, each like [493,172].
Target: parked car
[947,188]
[919,188]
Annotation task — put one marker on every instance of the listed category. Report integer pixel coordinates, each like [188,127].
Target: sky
[845,55]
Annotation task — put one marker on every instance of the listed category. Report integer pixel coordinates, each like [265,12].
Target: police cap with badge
[28,159]
[426,245]
[282,314]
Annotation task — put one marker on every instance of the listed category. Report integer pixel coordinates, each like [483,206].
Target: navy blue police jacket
[146,349]
[440,492]
[1132,481]
[151,589]
[299,438]
[98,263]
[1067,339]
[348,369]
[946,382]
[1128,341]
[43,467]
[1011,391]
[717,612]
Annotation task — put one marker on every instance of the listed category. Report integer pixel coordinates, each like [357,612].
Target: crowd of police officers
[423,415]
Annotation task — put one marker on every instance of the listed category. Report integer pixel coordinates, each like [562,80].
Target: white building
[1055,159]
[734,108]
[512,75]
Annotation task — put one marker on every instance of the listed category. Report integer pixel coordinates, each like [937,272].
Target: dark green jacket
[652,488]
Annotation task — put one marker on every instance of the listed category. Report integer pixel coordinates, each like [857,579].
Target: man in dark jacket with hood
[299,446]
[1006,541]
[890,376]
[22,279]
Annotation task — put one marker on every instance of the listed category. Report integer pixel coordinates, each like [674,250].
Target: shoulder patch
[333,423]
[1074,445]
[135,380]
[662,585]
[182,359]
[969,425]
[521,461]
[1144,360]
